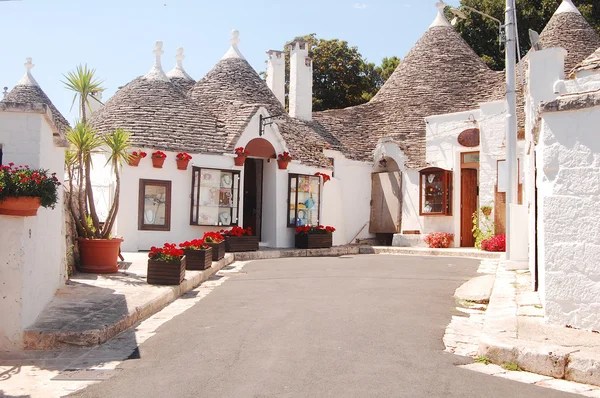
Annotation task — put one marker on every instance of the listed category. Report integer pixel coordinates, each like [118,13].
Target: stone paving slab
[270,253]
[477,290]
[425,251]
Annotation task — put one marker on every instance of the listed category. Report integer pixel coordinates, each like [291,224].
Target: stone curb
[40,340]
[283,253]
[408,251]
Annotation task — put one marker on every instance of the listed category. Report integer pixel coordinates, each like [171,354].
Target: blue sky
[117,36]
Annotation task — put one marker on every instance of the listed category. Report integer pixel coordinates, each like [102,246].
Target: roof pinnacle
[440,19]
[178,71]
[234,51]
[27,79]
[157,73]
[567,6]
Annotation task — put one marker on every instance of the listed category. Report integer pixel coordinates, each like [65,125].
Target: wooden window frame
[469,165]
[287,214]
[196,191]
[142,191]
[447,188]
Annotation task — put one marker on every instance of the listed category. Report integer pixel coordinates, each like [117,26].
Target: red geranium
[139,154]
[183,156]
[439,240]
[159,155]
[237,231]
[326,177]
[195,244]
[22,181]
[168,253]
[319,229]
[240,151]
[213,237]
[494,244]
[285,156]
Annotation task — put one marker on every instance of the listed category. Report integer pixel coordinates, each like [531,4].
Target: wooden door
[253,182]
[468,206]
[386,203]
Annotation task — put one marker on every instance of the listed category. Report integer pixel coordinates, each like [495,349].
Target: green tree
[482,33]
[342,77]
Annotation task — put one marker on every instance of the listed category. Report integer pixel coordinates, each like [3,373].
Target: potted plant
[166,265]
[24,190]
[238,239]
[135,157]
[325,177]
[314,237]
[216,241]
[496,243]
[283,159]
[182,159]
[158,159]
[241,155]
[198,255]
[439,240]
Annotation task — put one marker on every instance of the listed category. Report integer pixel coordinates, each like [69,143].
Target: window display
[436,192]
[215,197]
[154,209]
[304,200]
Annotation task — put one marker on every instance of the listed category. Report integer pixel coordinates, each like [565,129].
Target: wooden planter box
[164,273]
[198,260]
[218,250]
[314,241]
[241,243]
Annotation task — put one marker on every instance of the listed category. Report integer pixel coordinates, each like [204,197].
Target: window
[304,198]
[1,154]
[215,197]
[154,209]
[436,192]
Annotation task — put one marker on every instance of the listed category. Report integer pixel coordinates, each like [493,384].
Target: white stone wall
[569,228]
[301,77]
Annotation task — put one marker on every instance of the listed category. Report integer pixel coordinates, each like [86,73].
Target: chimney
[300,81]
[276,74]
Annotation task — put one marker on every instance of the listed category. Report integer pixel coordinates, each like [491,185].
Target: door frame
[467,165]
[398,195]
[259,171]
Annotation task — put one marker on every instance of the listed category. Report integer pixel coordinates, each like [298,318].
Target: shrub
[23,181]
[439,240]
[494,244]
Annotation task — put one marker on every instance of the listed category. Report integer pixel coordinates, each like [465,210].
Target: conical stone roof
[178,76]
[28,91]
[591,63]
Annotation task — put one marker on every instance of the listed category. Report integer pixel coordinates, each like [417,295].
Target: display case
[304,198]
[435,192]
[215,197]
[154,206]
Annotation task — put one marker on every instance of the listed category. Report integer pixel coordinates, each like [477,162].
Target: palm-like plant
[85,86]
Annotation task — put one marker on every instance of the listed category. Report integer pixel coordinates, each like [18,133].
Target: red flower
[159,155]
[237,231]
[183,156]
[318,229]
[168,253]
[439,239]
[325,177]
[196,244]
[213,237]
[285,156]
[240,151]
[494,244]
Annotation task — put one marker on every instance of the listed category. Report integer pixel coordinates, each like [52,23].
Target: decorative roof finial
[178,71]
[157,73]
[5,93]
[27,79]
[567,6]
[234,52]
[440,19]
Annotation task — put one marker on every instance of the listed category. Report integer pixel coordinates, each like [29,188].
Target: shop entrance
[253,186]
[469,196]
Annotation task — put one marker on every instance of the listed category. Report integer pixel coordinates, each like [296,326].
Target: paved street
[356,326]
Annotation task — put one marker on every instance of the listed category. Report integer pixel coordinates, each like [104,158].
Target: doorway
[469,196]
[253,187]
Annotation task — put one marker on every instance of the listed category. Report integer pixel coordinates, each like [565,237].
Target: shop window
[154,211]
[215,197]
[304,198]
[436,192]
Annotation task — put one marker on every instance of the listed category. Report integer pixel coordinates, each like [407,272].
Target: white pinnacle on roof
[567,6]
[178,71]
[440,19]
[157,73]
[234,51]
[27,79]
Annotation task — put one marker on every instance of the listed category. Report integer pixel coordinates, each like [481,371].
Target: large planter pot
[218,250]
[282,164]
[241,243]
[158,162]
[134,161]
[198,260]
[99,256]
[314,241]
[166,273]
[23,206]
[239,160]
[182,164]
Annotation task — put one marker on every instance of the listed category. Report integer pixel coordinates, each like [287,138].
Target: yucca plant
[118,146]
[85,87]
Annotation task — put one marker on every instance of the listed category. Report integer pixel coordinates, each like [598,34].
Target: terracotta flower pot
[23,206]
[99,256]
[182,164]
[239,160]
[158,162]
[134,160]
[282,164]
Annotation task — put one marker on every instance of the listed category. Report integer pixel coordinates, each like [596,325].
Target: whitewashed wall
[569,228]
[32,249]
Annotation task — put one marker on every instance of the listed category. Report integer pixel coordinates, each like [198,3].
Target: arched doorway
[259,150]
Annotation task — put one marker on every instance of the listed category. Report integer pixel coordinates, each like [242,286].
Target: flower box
[282,164]
[158,162]
[23,206]
[314,241]
[166,272]
[182,164]
[198,260]
[218,250]
[241,243]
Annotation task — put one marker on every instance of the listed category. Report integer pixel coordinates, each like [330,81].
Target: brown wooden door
[468,206]
[253,182]
[386,203]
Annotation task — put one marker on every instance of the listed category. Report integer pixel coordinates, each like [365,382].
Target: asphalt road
[362,326]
